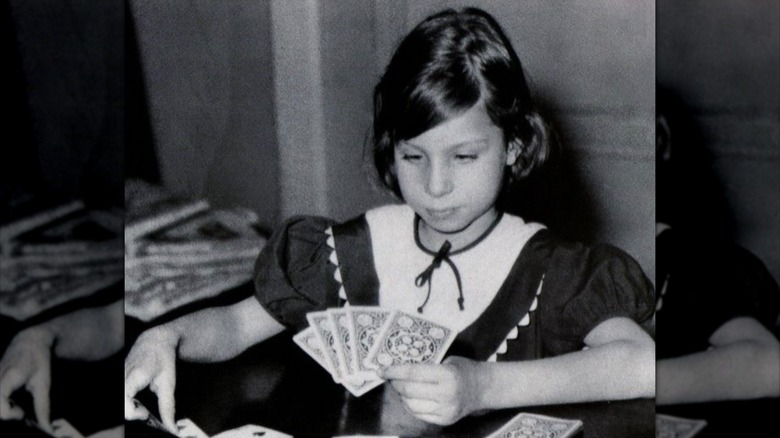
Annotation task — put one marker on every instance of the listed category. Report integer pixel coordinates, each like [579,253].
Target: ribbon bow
[425,276]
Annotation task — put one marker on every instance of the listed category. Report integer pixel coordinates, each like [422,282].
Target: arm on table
[743,363]
[86,334]
[619,363]
[210,335]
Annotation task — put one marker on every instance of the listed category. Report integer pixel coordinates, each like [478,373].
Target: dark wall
[67,67]
[721,59]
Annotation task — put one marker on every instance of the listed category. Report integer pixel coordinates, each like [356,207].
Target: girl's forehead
[473,125]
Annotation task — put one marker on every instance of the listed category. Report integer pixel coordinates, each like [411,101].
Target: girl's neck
[431,240]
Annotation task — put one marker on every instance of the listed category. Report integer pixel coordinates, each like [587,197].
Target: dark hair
[689,194]
[446,65]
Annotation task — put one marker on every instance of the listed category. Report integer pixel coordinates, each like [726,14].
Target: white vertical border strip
[298,95]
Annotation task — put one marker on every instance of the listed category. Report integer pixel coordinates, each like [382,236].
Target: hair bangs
[440,95]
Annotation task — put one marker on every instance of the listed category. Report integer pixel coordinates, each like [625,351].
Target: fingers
[11,379]
[420,406]
[163,386]
[39,388]
[435,419]
[417,390]
[135,410]
[135,380]
[413,372]
[430,411]
[9,411]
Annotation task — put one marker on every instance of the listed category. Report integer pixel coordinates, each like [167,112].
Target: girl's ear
[513,152]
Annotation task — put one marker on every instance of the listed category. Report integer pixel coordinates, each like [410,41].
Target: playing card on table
[309,342]
[409,338]
[667,426]
[326,333]
[365,324]
[251,431]
[534,425]
[188,429]
[62,428]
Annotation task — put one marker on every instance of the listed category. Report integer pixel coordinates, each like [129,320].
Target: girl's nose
[439,181]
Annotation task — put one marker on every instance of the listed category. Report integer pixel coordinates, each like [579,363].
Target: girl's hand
[439,394]
[152,362]
[27,364]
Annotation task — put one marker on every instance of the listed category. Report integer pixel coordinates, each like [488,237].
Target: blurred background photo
[718,214]
[61,218]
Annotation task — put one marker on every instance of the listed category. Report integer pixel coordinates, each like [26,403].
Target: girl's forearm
[618,370]
[87,334]
[741,370]
[220,333]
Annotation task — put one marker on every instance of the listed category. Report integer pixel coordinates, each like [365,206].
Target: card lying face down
[351,343]
[535,425]
[667,426]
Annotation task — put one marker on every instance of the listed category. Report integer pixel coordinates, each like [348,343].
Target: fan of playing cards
[354,341]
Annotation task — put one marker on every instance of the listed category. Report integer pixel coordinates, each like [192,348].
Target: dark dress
[555,293]
[707,285]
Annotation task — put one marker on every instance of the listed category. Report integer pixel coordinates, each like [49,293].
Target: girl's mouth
[441,214]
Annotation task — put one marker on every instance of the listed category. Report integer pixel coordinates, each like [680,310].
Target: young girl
[540,321]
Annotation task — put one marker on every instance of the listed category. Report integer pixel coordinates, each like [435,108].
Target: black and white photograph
[390,218]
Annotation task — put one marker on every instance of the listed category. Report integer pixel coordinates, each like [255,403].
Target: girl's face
[451,175]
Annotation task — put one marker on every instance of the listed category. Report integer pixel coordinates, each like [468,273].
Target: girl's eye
[465,157]
[411,157]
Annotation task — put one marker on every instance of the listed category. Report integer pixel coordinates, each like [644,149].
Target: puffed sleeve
[744,288]
[587,285]
[292,273]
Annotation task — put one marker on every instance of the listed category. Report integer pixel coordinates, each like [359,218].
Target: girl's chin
[444,227]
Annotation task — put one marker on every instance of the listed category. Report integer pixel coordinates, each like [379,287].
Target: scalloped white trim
[524,322]
[334,260]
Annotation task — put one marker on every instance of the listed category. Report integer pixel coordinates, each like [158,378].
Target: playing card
[343,341]
[309,342]
[365,436]
[534,425]
[365,324]
[357,384]
[667,426]
[252,431]
[188,429]
[325,332]
[409,339]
